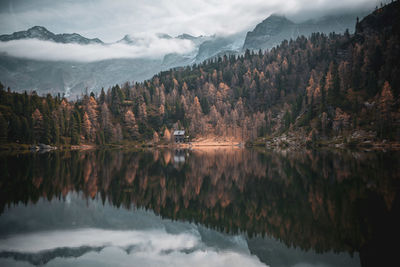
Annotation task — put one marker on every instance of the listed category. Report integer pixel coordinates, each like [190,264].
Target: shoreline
[357,140]
[275,143]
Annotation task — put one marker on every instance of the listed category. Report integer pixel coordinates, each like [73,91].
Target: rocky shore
[361,139]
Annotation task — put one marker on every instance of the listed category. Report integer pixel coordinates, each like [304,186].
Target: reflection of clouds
[292,197]
[155,240]
[118,248]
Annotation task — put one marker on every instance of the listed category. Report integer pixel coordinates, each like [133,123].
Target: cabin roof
[179,132]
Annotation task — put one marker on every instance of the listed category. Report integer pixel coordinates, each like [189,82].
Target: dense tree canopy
[326,84]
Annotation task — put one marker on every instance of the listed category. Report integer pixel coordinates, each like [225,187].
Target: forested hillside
[319,88]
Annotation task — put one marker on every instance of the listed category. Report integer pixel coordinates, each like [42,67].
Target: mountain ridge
[333,90]
[64,77]
[276,28]
[41,33]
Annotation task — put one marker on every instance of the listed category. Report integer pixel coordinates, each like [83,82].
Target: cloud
[145,46]
[156,240]
[109,20]
[141,248]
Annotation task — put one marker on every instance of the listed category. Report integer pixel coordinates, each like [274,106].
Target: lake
[205,207]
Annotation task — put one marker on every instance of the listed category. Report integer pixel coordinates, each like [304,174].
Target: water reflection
[324,201]
[83,232]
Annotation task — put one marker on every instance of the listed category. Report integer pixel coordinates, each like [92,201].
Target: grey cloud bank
[150,46]
[109,20]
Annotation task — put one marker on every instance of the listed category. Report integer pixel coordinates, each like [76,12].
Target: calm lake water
[224,207]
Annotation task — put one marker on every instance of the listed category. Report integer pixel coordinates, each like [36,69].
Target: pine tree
[106,123]
[38,127]
[167,135]
[47,134]
[386,102]
[102,98]
[196,124]
[26,131]
[87,127]
[3,129]
[75,139]
[130,124]
[55,132]
[332,85]
[143,112]
[156,139]
[15,128]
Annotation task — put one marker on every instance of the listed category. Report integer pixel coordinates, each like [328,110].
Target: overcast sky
[110,20]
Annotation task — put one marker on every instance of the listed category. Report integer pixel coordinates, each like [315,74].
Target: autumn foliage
[330,85]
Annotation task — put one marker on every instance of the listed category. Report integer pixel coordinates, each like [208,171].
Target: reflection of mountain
[82,232]
[48,255]
[322,201]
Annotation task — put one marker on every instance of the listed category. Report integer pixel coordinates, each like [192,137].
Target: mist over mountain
[314,89]
[275,28]
[37,59]
[60,75]
[72,78]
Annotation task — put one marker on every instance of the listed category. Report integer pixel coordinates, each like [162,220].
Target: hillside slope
[276,28]
[72,78]
[325,89]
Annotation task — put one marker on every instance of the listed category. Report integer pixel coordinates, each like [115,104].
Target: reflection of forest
[319,200]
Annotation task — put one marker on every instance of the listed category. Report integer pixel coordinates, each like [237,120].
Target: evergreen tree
[3,127]
[75,139]
[38,127]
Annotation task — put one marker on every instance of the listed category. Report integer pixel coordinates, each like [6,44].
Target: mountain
[133,40]
[382,21]
[220,45]
[42,33]
[273,30]
[127,40]
[72,78]
[270,32]
[337,90]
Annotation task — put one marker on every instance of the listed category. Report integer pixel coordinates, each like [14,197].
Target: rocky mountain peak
[276,28]
[272,24]
[163,36]
[41,33]
[39,30]
[186,36]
